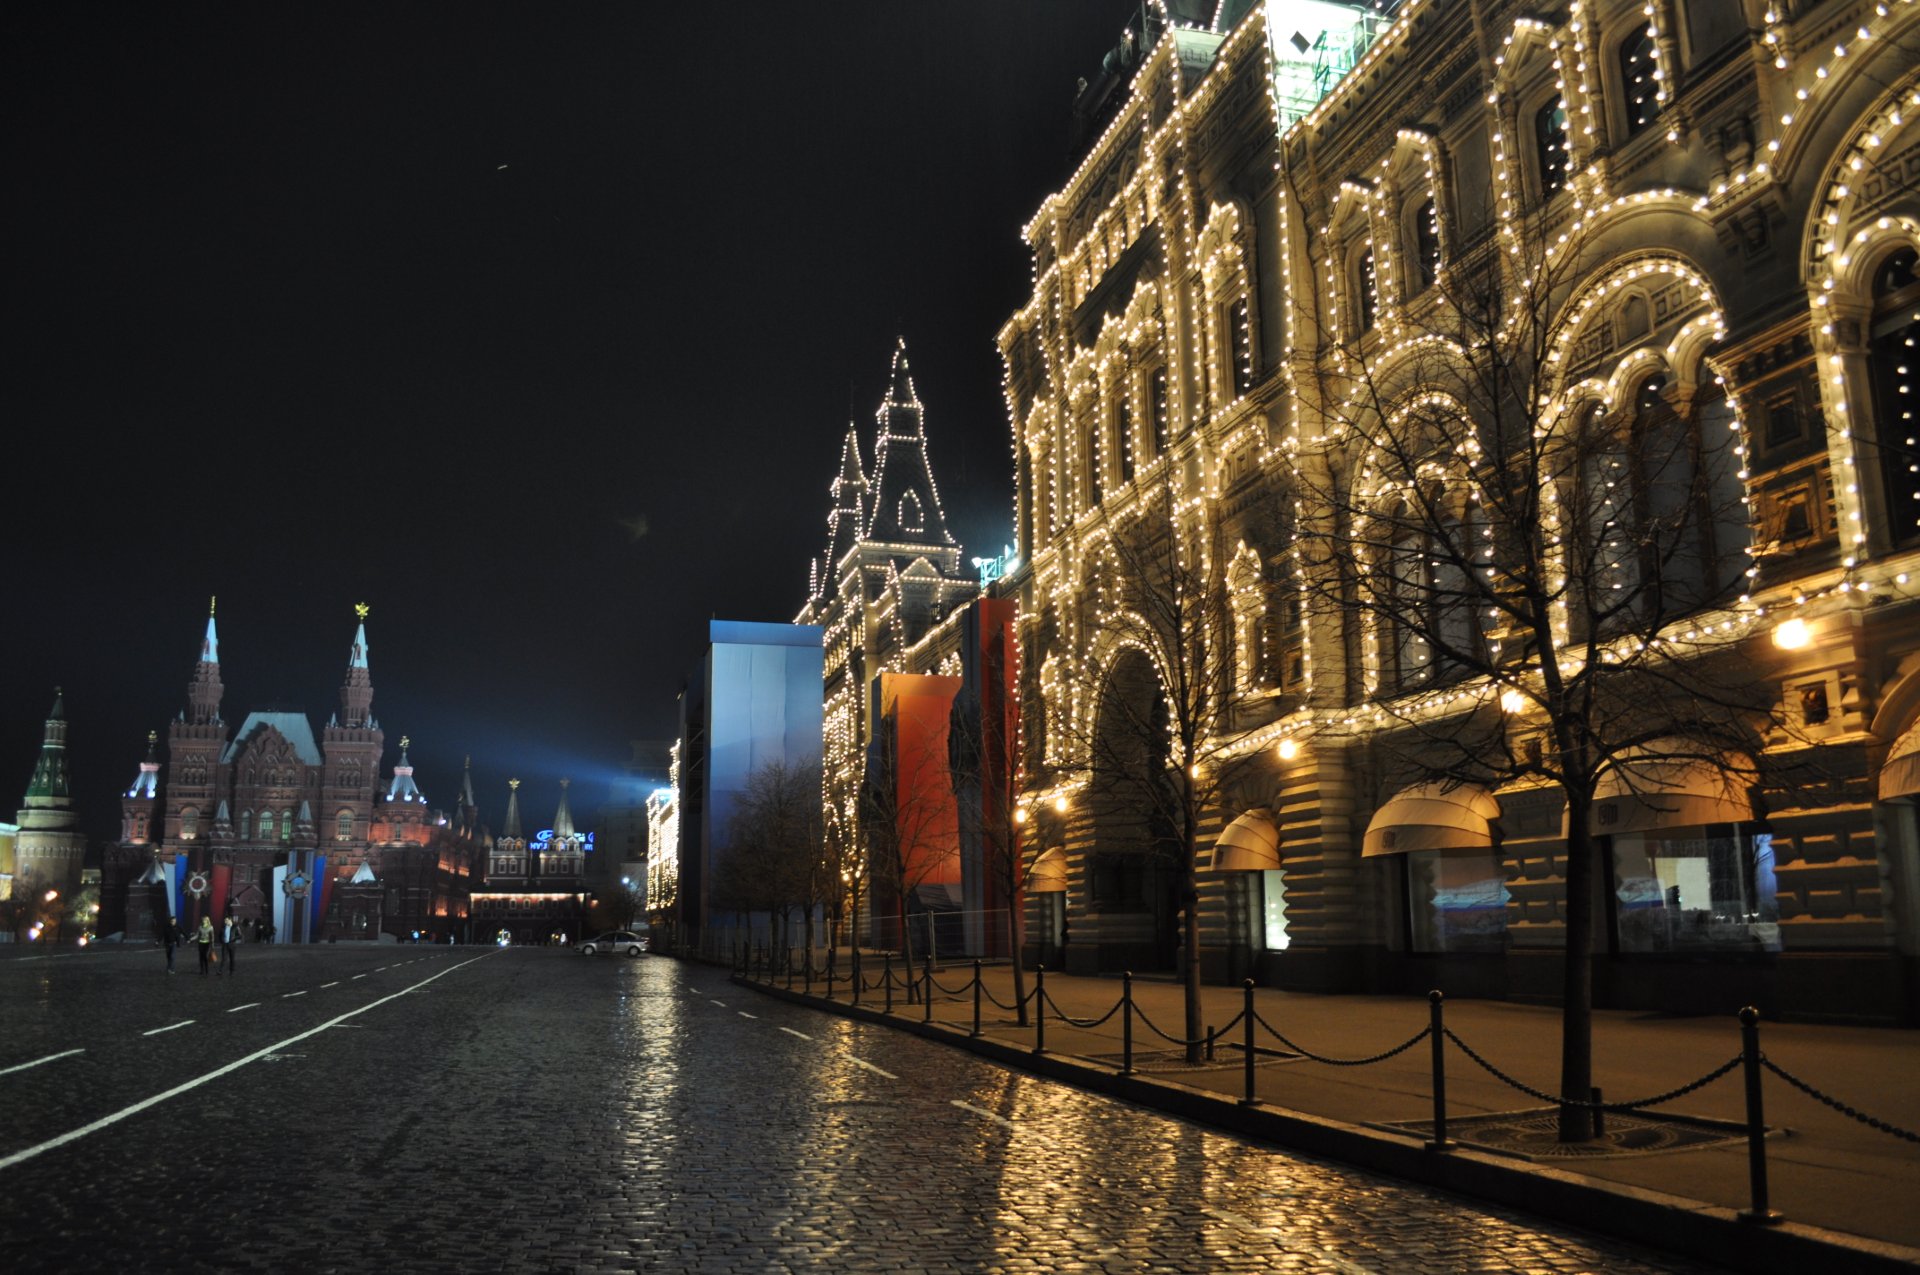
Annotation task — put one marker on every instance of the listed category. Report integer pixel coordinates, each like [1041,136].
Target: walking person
[204,937]
[170,936]
[229,935]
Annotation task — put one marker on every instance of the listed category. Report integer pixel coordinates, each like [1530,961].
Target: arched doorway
[1132,847]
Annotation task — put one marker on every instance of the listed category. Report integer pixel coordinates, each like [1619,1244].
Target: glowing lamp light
[1512,701]
[1020,815]
[1060,803]
[1289,749]
[1791,635]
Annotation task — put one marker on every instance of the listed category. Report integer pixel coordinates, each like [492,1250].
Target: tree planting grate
[1535,1134]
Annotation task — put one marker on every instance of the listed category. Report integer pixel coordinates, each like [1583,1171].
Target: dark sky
[424,305]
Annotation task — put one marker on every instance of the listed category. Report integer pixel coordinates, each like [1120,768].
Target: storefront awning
[1049,873]
[1250,843]
[1671,783]
[1900,773]
[1433,816]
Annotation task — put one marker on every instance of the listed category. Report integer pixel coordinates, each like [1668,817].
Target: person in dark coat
[229,935]
[170,937]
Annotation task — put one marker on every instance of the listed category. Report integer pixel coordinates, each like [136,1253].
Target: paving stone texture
[533,1110]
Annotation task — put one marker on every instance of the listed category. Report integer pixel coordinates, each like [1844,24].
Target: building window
[1240,346]
[286,825]
[1366,290]
[1551,146]
[1701,889]
[1426,243]
[343,826]
[266,825]
[1158,421]
[1895,357]
[1273,909]
[1090,462]
[1456,901]
[246,824]
[1639,79]
[1123,431]
[912,517]
[1405,656]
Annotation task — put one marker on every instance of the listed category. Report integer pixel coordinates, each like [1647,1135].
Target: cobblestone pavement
[448,1109]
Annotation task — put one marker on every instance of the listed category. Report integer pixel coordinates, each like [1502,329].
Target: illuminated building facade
[663,850]
[263,822]
[892,574]
[535,889]
[47,844]
[1742,176]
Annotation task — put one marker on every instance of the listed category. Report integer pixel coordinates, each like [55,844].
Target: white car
[615,941]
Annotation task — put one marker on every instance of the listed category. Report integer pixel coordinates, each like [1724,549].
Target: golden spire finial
[213,601]
[153,737]
[360,609]
[405,740]
[513,783]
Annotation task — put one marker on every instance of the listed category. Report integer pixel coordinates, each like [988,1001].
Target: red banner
[222,887]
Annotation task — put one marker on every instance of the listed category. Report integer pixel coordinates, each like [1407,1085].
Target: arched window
[1123,431]
[912,517]
[246,824]
[266,825]
[1426,243]
[1895,357]
[189,823]
[1366,293]
[1671,522]
[286,825]
[1639,79]
[140,827]
[1550,144]
[1405,656]
[343,826]
[1090,462]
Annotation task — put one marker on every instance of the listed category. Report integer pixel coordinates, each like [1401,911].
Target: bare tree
[1529,562]
[1155,741]
[774,852]
[907,819]
[982,749]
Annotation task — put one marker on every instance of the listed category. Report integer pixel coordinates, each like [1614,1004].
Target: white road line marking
[744,1014]
[379,968]
[174,1027]
[290,995]
[334,983]
[237,1008]
[696,991]
[878,1071]
[65,1053]
[721,1004]
[802,1035]
[359,975]
[107,1122]
[982,1111]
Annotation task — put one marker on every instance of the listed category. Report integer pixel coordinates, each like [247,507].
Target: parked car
[615,941]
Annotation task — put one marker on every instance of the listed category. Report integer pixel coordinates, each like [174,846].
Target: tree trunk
[1190,973]
[1576,1015]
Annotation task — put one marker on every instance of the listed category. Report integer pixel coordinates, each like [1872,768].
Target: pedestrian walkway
[1825,1170]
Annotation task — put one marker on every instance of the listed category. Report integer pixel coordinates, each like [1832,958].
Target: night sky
[535,327]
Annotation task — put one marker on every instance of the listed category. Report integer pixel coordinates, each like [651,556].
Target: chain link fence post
[1760,1213]
[1246,1011]
[1039,1009]
[1437,1025]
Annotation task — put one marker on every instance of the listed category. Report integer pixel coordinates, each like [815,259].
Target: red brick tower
[195,742]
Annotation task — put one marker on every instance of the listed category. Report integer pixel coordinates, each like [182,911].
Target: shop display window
[1708,889]
[1457,901]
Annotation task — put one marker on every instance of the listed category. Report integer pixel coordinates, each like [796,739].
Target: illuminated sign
[544,837]
[1315,43]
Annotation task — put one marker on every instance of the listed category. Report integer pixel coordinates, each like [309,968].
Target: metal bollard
[1040,1009]
[1437,1026]
[1760,1214]
[1599,1115]
[1247,1036]
[806,979]
[976,998]
[859,979]
[1209,1042]
[789,969]
[886,977]
[1126,1023]
[833,956]
[926,987]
